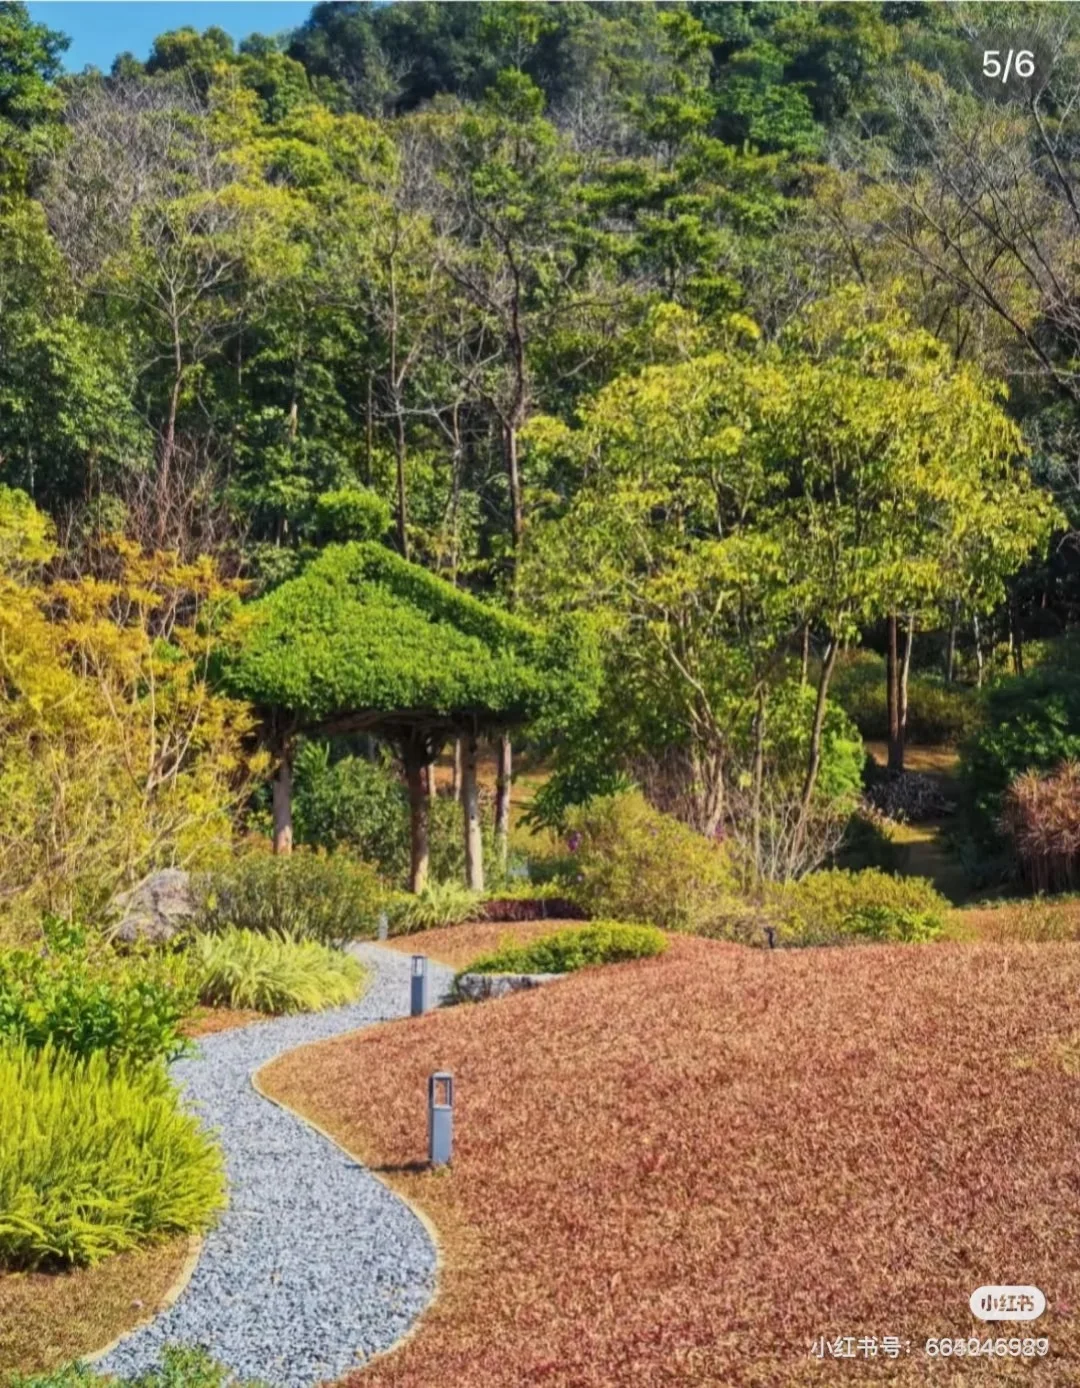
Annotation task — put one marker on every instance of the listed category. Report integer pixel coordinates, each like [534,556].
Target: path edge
[172,1295]
[424,1219]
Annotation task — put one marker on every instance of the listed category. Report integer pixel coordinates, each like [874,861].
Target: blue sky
[100,29]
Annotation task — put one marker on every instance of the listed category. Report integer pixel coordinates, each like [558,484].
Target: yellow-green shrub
[81,995]
[835,905]
[273,973]
[635,864]
[95,1160]
[439,904]
[100,783]
[564,951]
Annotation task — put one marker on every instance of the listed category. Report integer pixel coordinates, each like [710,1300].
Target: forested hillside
[747,331]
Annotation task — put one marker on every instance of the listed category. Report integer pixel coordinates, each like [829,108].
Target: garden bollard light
[440,1118]
[384,926]
[419,984]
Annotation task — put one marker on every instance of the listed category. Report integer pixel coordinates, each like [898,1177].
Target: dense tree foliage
[749,329]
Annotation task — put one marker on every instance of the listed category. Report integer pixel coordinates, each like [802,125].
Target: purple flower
[573,841]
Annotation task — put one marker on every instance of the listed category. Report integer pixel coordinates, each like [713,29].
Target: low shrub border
[834,906]
[565,951]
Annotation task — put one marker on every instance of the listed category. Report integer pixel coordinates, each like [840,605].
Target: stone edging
[479,987]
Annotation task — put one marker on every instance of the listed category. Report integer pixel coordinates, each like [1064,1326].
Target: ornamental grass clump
[439,904]
[565,951]
[96,1159]
[1041,817]
[273,973]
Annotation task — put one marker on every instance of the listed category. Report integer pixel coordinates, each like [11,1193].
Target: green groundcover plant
[272,972]
[564,951]
[128,1008]
[96,1159]
[182,1366]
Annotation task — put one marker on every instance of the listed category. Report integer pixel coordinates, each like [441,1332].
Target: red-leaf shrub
[531,909]
[1041,816]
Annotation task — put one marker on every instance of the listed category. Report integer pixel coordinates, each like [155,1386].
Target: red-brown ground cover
[684,1170]
[205,1021]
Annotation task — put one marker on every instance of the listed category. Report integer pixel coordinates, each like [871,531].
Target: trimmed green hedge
[564,951]
[361,628]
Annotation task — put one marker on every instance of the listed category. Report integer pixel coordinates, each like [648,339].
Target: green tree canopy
[364,638]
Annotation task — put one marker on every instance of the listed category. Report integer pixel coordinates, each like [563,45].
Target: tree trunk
[902,693]
[402,502]
[503,781]
[759,777]
[470,802]
[430,781]
[950,652]
[978,651]
[455,781]
[1016,637]
[892,695]
[828,664]
[418,819]
[282,797]
[805,673]
[517,514]
[369,429]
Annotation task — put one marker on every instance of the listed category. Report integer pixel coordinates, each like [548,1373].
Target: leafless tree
[140,202]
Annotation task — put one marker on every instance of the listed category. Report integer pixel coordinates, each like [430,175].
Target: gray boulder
[156,908]
[477,987]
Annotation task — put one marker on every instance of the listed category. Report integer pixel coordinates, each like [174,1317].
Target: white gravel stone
[315,1265]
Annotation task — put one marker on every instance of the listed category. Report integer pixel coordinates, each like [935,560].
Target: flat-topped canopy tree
[362,640]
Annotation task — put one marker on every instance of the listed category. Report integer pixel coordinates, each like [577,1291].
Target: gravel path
[315,1265]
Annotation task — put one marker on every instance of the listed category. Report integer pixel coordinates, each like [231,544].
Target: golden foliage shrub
[118,757]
